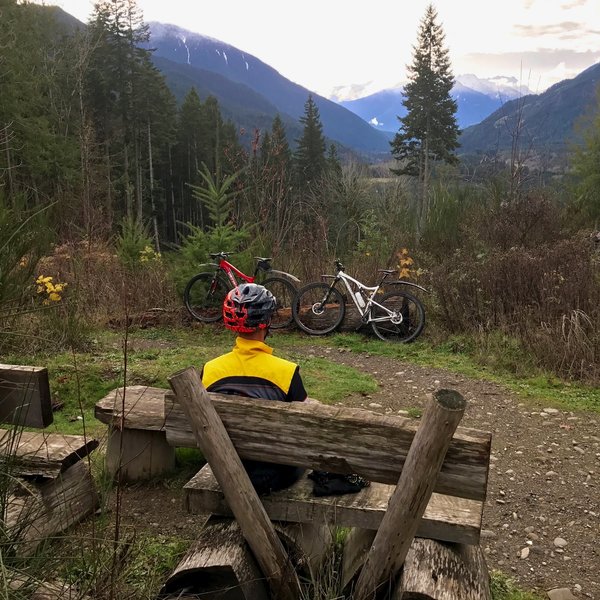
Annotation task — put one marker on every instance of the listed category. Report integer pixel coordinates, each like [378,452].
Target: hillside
[183,47]
[548,120]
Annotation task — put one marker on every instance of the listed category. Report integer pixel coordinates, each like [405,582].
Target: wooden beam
[42,454]
[235,483]
[25,396]
[446,518]
[337,439]
[412,494]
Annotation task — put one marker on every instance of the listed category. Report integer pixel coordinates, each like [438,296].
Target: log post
[235,484]
[414,488]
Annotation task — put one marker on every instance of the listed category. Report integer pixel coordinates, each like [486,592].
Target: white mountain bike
[397,316]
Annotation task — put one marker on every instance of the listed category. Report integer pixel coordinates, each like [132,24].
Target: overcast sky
[329,45]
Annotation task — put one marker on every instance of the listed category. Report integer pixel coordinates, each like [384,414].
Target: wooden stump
[38,510]
[139,454]
[218,565]
[443,571]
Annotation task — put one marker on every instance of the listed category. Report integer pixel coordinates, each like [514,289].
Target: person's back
[250,369]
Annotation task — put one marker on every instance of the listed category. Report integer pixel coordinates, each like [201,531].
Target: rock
[525,552]
[560,594]
[551,411]
[560,542]
[488,533]
[375,405]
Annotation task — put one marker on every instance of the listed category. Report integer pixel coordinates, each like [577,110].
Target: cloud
[554,64]
[558,29]
[573,4]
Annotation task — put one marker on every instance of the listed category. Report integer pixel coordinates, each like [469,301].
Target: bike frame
[231,270]
[370,300]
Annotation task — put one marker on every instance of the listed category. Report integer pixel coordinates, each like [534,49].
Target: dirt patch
[542,515]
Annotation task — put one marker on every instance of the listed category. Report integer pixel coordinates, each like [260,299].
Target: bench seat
[42,454]
[446,518]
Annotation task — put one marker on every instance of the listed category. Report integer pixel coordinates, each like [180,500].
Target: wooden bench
[51,486]
[337,439]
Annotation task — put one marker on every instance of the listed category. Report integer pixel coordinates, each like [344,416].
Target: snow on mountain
[500,87]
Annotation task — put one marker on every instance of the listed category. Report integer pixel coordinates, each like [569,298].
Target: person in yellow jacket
[250,369]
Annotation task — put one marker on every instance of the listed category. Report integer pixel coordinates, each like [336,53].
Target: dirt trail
[542,514]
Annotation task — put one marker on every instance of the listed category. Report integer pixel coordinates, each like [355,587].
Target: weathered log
[235,483]
[41,454]
[337,439]
[445,518]
[218,565]
[441,571]
[411,496]
[432,570]
[25,396]
[350,322]
[220,562]
[37,510]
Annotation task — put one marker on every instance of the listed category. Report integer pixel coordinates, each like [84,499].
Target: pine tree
[309,157]
[429,132]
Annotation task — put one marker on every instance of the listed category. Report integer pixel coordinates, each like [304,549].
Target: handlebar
[339,266]
[224,255]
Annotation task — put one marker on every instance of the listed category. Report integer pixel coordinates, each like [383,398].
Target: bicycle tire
[410,316]
[314,317]
[285,294]
[204,295]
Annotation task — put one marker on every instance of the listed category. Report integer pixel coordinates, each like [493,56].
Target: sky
[349,48]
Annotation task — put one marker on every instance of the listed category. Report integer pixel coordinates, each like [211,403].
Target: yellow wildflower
[54,297]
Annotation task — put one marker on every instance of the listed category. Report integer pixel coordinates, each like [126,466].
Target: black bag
[333,484]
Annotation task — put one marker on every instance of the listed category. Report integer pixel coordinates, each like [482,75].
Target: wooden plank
[337,439]
[411,496]
[25,396]
[446,518]
[40,453]
[438,571]
[219,564]
[142,405]
[35,511]
[235,483]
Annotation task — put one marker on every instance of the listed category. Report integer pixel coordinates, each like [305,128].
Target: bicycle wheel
[204,295]
[284,293]
[406,322]
[318,309]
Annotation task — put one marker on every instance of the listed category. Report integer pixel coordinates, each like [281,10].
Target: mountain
[476,99]
[548,120]
[182,54]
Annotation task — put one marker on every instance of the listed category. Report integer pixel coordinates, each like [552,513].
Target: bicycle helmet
[248,307]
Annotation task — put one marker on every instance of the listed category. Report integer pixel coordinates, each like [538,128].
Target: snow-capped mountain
[476,99]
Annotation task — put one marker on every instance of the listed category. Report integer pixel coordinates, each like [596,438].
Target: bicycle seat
[386,271]
[263,259]
[219,254]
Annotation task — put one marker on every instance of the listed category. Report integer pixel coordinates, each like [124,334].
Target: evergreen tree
[309,157]
[429,132]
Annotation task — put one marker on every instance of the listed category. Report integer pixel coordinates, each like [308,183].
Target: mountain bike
[398,316]
[205,292]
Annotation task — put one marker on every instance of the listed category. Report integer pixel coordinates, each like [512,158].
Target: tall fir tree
[309,158]
[429,131]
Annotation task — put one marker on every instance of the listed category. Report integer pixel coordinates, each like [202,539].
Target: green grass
[503,588]
[461,356]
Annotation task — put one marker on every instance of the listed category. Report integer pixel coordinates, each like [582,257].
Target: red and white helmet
[248,307]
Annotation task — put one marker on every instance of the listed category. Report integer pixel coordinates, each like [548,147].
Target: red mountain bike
[205,292]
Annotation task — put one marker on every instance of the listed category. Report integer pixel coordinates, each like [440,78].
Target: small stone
[550,474]
[551,411]
[560,594]
[524,552]
[375,405]
[488,533]
[560,542]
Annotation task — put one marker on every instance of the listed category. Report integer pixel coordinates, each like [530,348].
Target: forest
[117,193]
